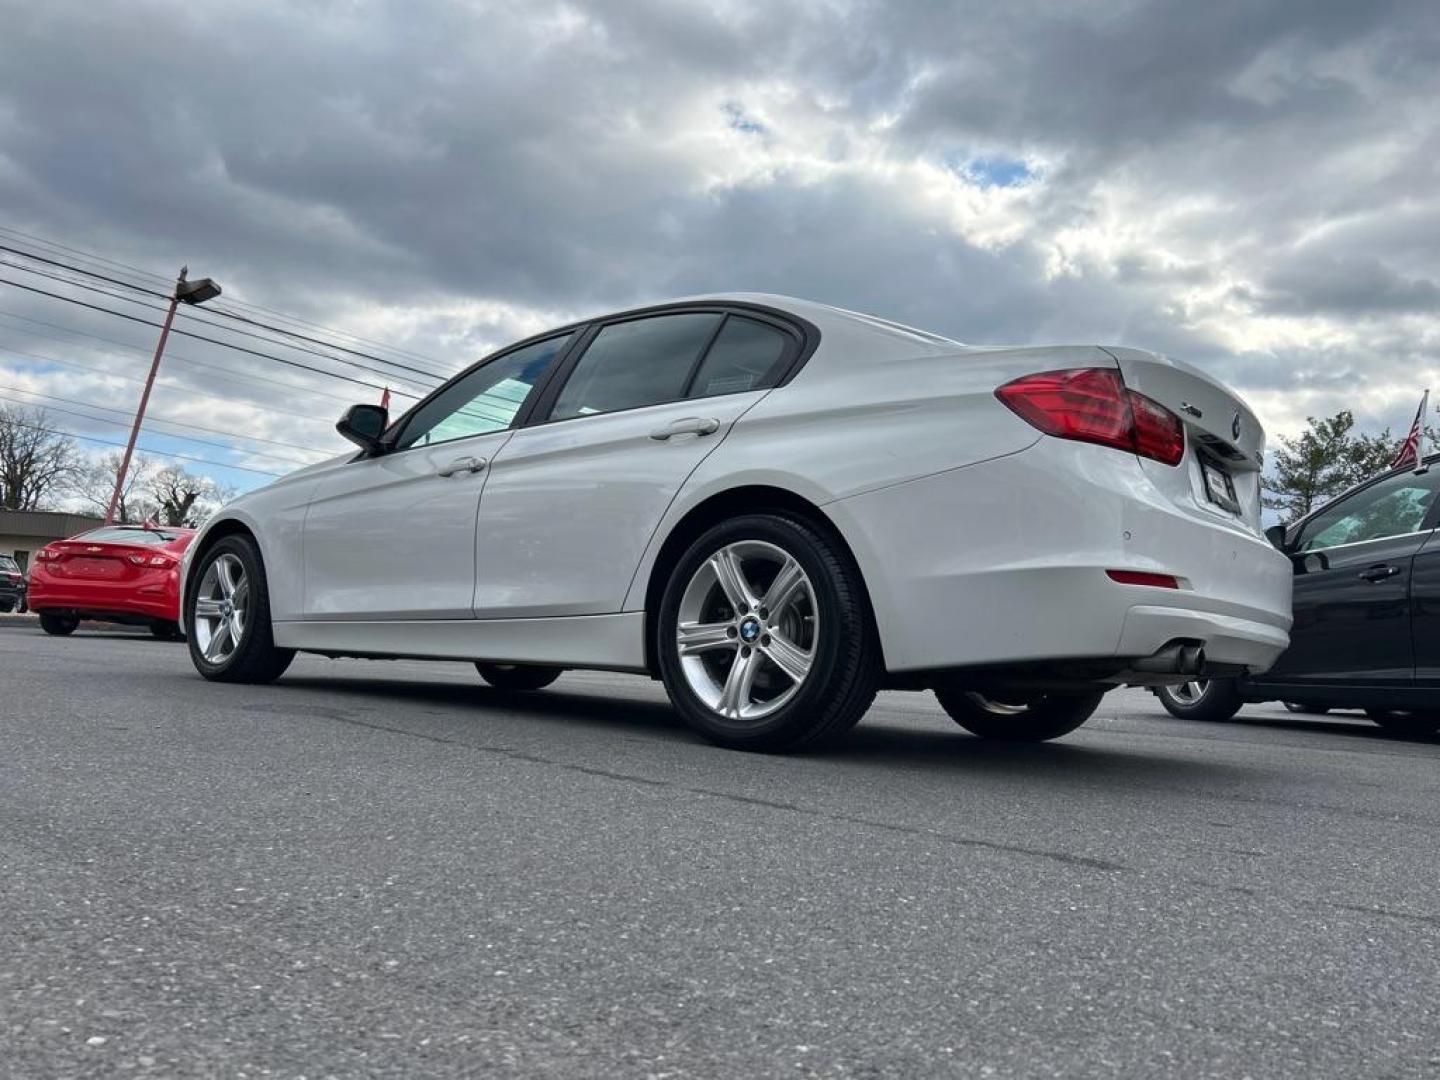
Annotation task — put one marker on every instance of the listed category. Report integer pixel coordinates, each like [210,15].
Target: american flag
[1409,452]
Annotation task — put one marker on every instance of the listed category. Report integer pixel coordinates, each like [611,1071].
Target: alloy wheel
[747,630]
[222,608]
[1189,693]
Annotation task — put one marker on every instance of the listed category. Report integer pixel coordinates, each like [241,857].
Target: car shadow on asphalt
[879,744]
[1352,724]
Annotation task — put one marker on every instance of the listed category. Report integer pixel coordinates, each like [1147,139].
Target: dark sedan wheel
[59,625]
[764,636]
[231,639]
[1214,700]
[517,676]
[1048,716]
[1410,724]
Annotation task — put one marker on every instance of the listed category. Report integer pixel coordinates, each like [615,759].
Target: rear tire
[230,582]
[7,606]
[1409,724]
[59,625]
[1211,700]
[1047,717]
[780,654]
[164,630]
[517,676]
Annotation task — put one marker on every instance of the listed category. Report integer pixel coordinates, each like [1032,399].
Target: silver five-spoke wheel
[747,630]
[222,608]
[1188,693]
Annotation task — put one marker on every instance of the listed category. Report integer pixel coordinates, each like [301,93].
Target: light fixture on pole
[188,292]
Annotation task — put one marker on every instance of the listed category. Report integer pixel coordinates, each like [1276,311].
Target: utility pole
[190,292]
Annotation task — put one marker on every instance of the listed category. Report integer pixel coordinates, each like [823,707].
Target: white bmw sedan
[778,508]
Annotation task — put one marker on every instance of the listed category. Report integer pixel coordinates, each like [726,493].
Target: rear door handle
[464,464]
[1379,573]
[691,425]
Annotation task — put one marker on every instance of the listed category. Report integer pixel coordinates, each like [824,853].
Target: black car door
[1425,612]
[1353,568]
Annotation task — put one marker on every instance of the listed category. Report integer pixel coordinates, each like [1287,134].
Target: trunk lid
[1225,444]
[82,561]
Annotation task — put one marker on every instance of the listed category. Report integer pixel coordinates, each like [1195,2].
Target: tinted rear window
[746,356]
[126,536]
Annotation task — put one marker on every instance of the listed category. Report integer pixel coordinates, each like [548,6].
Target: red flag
[1409,452]
[385,399]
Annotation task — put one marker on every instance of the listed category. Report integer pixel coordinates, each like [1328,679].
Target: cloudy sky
[1248,185]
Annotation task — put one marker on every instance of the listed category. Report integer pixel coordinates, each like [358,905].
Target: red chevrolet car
[118,573]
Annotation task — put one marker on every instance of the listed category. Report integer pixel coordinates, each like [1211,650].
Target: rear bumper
[155,599]
[1004,562]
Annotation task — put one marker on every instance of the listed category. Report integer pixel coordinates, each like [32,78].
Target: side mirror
[363,425]
[1276,535]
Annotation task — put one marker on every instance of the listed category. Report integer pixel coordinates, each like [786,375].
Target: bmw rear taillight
[1093,405]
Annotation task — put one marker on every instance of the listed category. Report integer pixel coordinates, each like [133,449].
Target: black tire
[842,661]
[517,676]
[164,630]
[1409,724]
[1048,716]
[1215,701]
[255,659]
[7,606]
[59,625]
[1309,710]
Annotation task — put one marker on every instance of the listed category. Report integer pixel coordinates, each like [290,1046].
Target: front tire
[164,630]
[764,635]
[517,676]
[59,625]
[1212,700]
[228,616]
[1047,716]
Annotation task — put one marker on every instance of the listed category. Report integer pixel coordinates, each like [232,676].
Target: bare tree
[35,459]
[93,483]
[181,498]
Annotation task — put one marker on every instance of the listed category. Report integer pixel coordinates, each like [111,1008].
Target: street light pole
[191,292]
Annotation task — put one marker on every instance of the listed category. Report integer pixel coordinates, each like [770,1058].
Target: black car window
[7,563]
[126,536]
[747,355]
[485,400]
[634,363]
[1391,507]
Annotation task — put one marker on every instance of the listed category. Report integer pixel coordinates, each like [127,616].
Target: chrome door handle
[1379,573]
[464,464]
[691,425]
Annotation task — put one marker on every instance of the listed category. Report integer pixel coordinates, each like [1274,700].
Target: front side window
[635,363]
[1392,507]
[485,400]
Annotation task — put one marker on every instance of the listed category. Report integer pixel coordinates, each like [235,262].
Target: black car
[1367,612]
[12,585]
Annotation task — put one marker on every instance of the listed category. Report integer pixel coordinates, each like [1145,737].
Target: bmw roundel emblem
[749,630]
[1235,426]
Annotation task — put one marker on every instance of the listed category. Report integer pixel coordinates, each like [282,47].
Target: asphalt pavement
[387,869]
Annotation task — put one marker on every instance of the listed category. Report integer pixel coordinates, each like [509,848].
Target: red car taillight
[1094,405]
[46,555]
[152,560]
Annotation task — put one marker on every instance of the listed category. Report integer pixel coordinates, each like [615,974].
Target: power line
[181,423]
[219,310]
[230,374]
[222,344]
[84,256]
[148,450]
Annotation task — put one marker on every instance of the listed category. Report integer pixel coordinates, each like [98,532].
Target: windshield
[7,563]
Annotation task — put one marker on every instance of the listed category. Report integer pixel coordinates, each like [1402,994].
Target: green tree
[1312,467]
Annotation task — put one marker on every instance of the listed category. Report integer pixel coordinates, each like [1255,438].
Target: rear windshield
[126,536]
[7,563]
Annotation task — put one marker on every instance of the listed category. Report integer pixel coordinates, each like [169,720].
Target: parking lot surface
[388,869]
